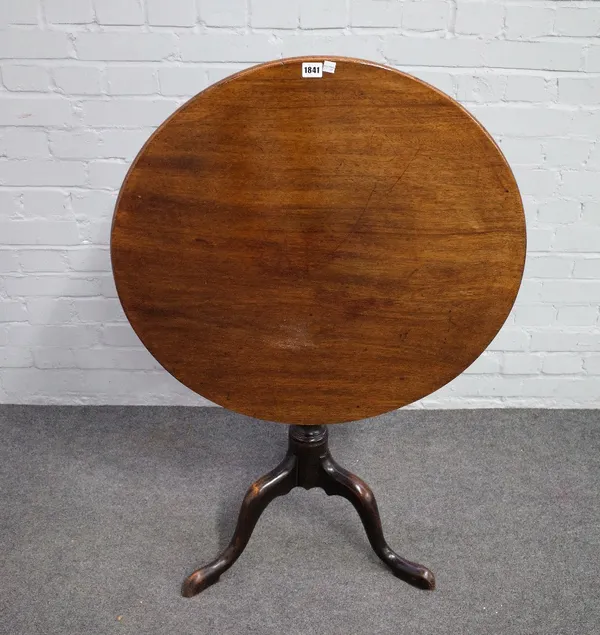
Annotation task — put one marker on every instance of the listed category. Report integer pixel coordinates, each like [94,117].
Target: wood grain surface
[318,250]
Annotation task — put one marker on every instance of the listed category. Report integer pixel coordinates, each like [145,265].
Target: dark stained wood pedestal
[313,251]
[308,463]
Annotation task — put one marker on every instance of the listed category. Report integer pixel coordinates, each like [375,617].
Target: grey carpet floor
[106,509]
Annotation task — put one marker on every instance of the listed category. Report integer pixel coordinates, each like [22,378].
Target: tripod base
[308,464]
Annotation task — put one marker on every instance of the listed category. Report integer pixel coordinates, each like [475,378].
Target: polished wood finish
[308,463]
[318,250]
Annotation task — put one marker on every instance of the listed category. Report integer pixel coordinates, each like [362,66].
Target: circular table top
[318,250]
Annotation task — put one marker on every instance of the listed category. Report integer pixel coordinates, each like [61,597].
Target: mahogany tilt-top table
[311,248]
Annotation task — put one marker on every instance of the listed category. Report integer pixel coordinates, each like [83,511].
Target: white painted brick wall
[84,82]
